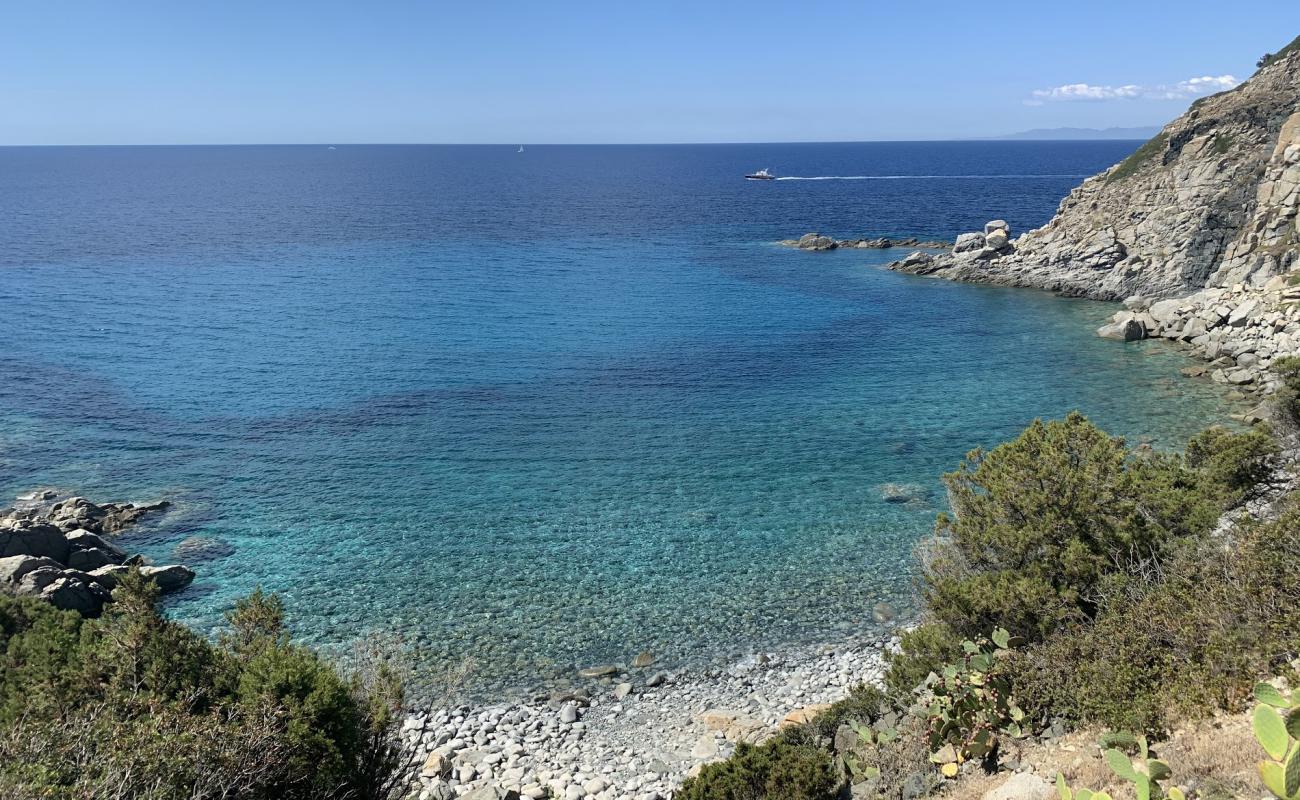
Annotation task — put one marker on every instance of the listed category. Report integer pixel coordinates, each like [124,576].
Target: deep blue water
[539,409]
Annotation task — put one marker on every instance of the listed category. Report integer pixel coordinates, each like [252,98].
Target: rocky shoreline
[623,739]
[61,550]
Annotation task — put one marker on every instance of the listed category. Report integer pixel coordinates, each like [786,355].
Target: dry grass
[1215,758]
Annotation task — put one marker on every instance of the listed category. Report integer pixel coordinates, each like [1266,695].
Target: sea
[533,411]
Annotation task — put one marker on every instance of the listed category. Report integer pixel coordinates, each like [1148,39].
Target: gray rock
[490,793]
[997,225]
[601,671]
[13,568]
[968,244]
[170,578]
[197,549]
[1129,330]
[568,713]
[997,241]
[815,241]
[31,538]
[1022,786]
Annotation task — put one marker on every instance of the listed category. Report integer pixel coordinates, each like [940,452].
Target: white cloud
[1192,87]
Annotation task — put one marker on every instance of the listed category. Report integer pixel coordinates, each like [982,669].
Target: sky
[615,71]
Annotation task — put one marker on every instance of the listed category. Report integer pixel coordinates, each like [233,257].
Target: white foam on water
[911,177]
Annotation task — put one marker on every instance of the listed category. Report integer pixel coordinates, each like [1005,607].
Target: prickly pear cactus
[1277,728]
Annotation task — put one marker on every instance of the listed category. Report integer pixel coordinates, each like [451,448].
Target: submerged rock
[195,549]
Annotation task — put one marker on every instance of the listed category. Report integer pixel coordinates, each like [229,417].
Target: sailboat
[521,148]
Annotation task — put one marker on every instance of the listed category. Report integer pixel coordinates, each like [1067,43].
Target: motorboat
[761,175]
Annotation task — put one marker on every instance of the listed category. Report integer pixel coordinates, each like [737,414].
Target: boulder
[171,578]
[802,716]
[490,793]
[815,241]
[1165,311]
[195,549]
[31,538]
[74,594]
[918,263]
[706,749]
[1022,786]
[997,225]
[968,244]
[997,241]
[599,671]
[643,659]
[1243,312]
[13,568]
[1129,330]
[91,558]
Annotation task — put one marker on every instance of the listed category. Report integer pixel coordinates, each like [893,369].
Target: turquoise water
[545,415]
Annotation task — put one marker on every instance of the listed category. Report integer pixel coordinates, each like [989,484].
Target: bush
[1235,462]
[923,650]
[1042,521]
[1288,396]
[132,705]
[1142,155]
[1224,614]
[865,704]
[777,770]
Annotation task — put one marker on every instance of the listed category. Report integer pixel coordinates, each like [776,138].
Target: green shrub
[1234,461]
[1142,155]
[132,705]
[776,770]
[1224,613]
[1042,521]
[922,650]
[865,704]
[1271,58]
[1287,396]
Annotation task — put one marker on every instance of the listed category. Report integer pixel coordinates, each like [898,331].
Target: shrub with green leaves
[133,705]
[1221,614]
[777,770]
[924,649]
[1041,522]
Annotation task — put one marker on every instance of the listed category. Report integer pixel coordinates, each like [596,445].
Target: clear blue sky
[196,71]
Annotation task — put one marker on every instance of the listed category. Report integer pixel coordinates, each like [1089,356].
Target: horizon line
[1012,138]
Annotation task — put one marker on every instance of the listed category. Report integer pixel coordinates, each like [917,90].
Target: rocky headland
[1196,232]
[62,550]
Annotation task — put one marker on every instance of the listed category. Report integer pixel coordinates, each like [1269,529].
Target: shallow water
[540,409]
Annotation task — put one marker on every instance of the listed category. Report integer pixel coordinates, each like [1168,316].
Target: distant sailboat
[521,148]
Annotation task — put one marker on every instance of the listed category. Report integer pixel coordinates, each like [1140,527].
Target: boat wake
[915,177]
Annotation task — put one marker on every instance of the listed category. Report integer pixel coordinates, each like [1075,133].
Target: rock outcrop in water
[1209,202]
[59,552]
[817,242]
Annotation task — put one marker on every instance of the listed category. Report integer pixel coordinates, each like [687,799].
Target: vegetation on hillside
[1077,581]
[1154,147]
[131,705]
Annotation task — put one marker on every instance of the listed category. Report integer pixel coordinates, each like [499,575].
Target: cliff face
[1210,201]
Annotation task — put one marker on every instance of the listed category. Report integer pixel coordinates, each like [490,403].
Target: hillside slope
[1210,201]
